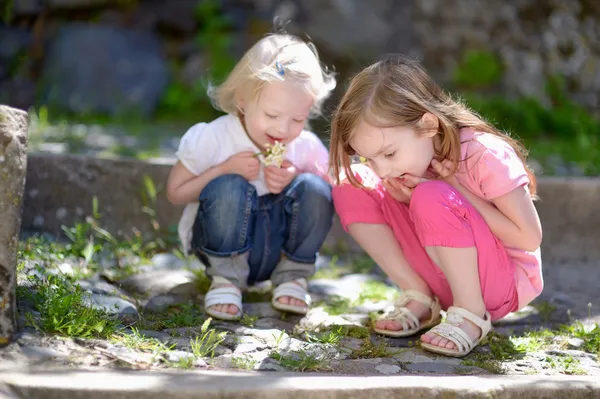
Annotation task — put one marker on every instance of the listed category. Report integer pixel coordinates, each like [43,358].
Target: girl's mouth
[272,139]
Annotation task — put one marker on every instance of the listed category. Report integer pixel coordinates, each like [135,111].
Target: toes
[285,300]
[450,345]
[427,337]
[436,340]
[232,309]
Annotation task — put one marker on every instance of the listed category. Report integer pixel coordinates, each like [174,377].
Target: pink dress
[440,216]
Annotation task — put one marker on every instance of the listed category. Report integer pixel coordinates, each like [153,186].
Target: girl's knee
[228,198]
[431,197]
[313,195]
[227,186]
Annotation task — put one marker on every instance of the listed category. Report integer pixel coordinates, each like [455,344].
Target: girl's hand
[279,178]
[244,164]
[444,171]
[394,188]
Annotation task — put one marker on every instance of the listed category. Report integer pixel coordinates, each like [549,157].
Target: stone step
[207,384]
[60,188]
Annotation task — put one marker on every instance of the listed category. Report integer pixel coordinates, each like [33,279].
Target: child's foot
[289,300]
[458,334]
[413,312]
[225,308]
[292,296]
[420,310]
[467,326]
[223,300]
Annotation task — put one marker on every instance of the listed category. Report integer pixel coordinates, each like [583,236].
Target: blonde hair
[276,57]
[397,91]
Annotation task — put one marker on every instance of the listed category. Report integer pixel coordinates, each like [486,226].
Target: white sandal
[229,295]
[409,321]
[450,329]
[294,289]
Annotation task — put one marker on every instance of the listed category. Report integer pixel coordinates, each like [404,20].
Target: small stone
[158,282]
[40,354]
[431,367]
[160,303]
[167,261]
[113,305]
[261,310]
[176,356]
[388,369]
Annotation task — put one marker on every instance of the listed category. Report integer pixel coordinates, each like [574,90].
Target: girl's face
[278,114]
[392,152]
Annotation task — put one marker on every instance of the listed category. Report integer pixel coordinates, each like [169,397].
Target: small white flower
[274,154]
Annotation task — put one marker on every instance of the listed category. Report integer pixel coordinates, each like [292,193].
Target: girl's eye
[390,154]
[271,116]
[298,120]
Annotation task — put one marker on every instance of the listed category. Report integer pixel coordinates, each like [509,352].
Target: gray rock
[261,310]
[41,354]
[176,356]
[159,303]
[431,367]
[388,369]
[167,261]
[173,282]
[575,343]
[248,344]
[123,72]
[97,285]
[13,161]
[119,307]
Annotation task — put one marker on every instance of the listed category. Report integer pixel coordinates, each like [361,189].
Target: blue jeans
[274,236]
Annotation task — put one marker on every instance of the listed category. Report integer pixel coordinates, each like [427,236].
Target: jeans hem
[224,254]
[299,259]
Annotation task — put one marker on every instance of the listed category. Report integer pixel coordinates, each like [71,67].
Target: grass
[361,264]
[64,309]
[185,315]
[331,337]
[371,291]
[375,291]
[248,320]
[303,361]
[503,348]
[565,365]
[244,362]
[204,345]
[139,342]
[545,309]
[370,350]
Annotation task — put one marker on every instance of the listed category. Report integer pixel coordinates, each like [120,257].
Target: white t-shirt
[205,145]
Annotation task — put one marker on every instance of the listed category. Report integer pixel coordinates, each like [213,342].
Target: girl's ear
[429,123]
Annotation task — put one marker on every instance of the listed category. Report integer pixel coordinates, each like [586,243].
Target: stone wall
[113,55]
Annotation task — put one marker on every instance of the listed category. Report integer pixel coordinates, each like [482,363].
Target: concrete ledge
[60,188]
[224,385]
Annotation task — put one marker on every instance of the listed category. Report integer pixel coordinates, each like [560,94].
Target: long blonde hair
[397,91]
[276,57]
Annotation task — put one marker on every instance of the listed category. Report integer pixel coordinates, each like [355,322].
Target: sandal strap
[295,289]
[223,296]
[456,316]
[406,317]
[407,296]
[455,334]
[451,330]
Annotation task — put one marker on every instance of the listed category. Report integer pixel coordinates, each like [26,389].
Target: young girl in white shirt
[255,182]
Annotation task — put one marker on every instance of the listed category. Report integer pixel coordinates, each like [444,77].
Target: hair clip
[279,68]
